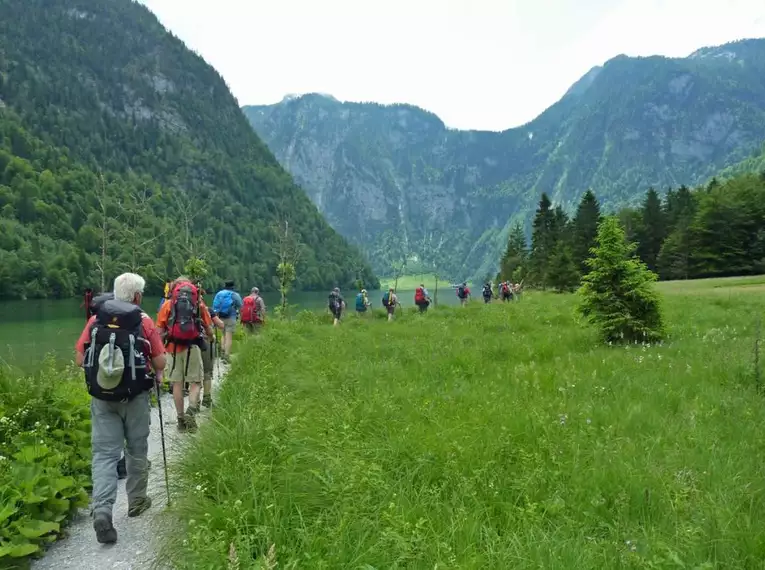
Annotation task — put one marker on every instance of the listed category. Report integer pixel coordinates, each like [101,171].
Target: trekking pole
[162,437]
[217,350]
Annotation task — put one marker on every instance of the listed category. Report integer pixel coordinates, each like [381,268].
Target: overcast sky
[478,64]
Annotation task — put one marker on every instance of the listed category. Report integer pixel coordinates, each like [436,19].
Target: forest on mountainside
[113,132]
[715,230]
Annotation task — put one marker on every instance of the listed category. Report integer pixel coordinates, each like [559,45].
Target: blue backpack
[360,304]
[223,302]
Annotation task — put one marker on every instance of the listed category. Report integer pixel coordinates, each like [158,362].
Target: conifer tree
[562,272]
[653,230]
[515,258]
[542,241]
[585,229]
[618,295]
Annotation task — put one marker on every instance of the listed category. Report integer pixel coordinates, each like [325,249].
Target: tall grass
[499,436]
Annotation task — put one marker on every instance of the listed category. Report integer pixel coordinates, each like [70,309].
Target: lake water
[31,329]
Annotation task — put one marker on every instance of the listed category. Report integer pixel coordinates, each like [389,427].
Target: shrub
[44,457]
[618,295]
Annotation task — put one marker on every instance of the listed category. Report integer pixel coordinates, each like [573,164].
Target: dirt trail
[136,547]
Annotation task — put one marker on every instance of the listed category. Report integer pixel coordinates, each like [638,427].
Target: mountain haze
[394,179]
[100,86]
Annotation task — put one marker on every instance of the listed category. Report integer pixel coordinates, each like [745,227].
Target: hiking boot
[193,410]
[121,468]
[207,401]
[186,424]
[105,531]
[139,507]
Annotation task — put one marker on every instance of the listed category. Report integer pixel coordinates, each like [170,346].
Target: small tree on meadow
[617,295]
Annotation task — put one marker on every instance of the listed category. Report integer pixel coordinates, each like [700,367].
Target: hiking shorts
[229,324]
[185,366]
[207,361]
[391,309]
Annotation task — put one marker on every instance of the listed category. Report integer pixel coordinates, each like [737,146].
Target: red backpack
[419,296]
[249,311]
[505,288]
[183,324]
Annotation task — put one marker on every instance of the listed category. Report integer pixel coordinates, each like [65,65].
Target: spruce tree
[562,272]
[618,295]
[514,260]
[653,230]
[542,241]
[585,229]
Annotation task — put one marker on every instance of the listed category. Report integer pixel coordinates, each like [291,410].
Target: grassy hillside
[498,436]
[90,87]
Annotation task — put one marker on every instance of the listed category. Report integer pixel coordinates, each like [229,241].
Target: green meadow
[493,436]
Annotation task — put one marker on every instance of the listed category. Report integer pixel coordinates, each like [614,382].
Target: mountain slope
[92,86]
[394,178]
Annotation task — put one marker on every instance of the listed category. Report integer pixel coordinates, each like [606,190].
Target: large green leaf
[31,453]
[18,550]
[35,529]
[7,510]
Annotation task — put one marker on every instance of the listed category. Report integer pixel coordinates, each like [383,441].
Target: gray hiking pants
[117,426]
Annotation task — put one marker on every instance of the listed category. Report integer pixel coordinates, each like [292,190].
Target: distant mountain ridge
[395,179]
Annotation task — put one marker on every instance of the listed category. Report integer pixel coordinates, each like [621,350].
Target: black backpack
[334,302]
[115,364]
[461,292]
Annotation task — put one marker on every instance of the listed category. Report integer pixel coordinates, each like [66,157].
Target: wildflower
[563,419]
[589,421]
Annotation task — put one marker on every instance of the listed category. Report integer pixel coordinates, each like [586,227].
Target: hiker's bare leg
[178,397]
[228,339]
[194,395]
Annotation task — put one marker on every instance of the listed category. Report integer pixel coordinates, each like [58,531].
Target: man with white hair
[114,349]
[253,311]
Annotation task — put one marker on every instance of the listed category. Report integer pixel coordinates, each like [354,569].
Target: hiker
[389,301]
[505,292]
[185,324]
[422,298]
[113,349]
[87,301]
[208,355]
[362,302]
[253,311]
[95,305]
[517,290]
[463,293]
[336,305]
[226,305]
[487,292]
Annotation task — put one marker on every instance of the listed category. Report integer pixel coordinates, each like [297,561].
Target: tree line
[65,227]
[715,230]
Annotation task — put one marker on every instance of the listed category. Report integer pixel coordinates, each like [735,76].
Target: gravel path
[136,547]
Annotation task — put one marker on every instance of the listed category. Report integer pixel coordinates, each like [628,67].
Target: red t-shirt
[150,333]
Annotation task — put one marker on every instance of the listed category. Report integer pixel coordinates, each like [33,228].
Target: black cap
[229,284]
